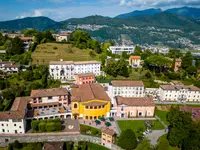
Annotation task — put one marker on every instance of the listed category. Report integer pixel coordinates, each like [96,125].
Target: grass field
[54,52]
[162,115]
[164,137]
[136,124]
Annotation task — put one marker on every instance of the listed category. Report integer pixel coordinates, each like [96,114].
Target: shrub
[50,126]
[42,126]
[94,131]
[55,47]
[84,128]
[34,124]
[92,54]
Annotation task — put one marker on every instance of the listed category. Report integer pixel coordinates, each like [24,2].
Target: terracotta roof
[17,110]
[64,35]
[126,83]
[43,104]
[11,65]
[108,131]
[178,87]
[134,57]
[85,75]
[89,91]
[53,146]
[72,62]
[177,83]
[95,104]
[135,101]
[26,38]
[49,92]
[178,60]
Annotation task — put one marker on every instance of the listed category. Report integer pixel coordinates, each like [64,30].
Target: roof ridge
[93,94]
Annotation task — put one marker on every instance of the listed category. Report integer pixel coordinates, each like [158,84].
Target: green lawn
[136,124]
[163,137]
[162,115]
[54,52]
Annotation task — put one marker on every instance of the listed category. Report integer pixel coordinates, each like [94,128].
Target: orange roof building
[134,61]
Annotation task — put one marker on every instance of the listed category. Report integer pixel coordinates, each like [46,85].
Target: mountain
[163,28]
[39,23]
[186,11]
[147,12]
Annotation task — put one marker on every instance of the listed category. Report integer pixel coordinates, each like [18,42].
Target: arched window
[75,106]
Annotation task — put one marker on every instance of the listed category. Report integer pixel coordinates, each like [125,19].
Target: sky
[60,10]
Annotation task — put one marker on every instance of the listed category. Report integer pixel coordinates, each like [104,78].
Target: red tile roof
[134,57]
[135,101]
[126,83]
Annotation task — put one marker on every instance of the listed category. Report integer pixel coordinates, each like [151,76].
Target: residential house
[62,37]
[49,103]
[177,64]
[90,101]
[134,61]
[27,41]
[120,49]
[65,70]
[84,78]
[180,93]
[108,137]
[53,146]
[14,121]
[134,106]
[125,88]
[9,67]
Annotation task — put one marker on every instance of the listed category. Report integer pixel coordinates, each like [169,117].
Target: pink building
[85,78]
[134,106]
[177,64]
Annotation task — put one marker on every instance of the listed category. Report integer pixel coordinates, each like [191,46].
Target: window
[50,98]
[20,127]
[75,106]
[86,107]
[3,130]
[15,125]
[95,107]
[91,107]
[103,106]
[2,124]
[99,107]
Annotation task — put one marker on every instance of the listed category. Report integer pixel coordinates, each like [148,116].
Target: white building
[9,67]
[134,61]
[65,70]
[61,37]
[127,88]
[179,93]
[13,121]
[119,49]
[27,41]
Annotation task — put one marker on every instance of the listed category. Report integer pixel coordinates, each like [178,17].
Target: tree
[111,68]
[122,67]
[127,140]
[187,60]
[92,54]
[8,47]
[137,50]
[163,144]
[29,32]
[174,53]
[191,70]
[42,126]
[48,36]
[144,145]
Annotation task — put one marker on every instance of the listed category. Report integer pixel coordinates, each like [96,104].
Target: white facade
[125,90]
[12,126]
[179,93]
[119,49]
[62,37]
[65,70]
[9,67]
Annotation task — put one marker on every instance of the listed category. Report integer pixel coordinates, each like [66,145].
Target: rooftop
[85,75]
[26,38]
[53,146]
[126,83]
[179,87]
[135,101]
[17,110]
[134,57]
[108,131]
[49,92]
[72,62]
[89,91]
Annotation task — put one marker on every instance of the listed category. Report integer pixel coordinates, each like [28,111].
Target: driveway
[154,135]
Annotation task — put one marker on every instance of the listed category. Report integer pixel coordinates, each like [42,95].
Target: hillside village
[70,84]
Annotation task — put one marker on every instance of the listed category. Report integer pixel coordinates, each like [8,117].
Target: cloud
[158,3]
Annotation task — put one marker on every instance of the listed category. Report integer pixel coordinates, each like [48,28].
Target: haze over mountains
[176,27]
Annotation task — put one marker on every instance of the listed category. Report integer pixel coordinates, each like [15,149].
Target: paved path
[154,135]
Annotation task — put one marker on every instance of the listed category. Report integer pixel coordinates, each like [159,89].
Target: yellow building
[90,101]
[107,137]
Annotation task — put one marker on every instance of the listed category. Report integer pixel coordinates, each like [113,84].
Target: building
[49,103]
[195,112]
[62,37]
[9,67]
[90,101]
[27,41]
[134,106]
[107,137]
[177,64]
[65,70]
[84,78]
[53,146]
[120,49]
[14,121]
[125,88]
[179,93]
[134,61]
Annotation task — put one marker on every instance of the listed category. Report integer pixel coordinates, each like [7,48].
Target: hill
[147,12]
[39,23]
[186,11]
[54,52]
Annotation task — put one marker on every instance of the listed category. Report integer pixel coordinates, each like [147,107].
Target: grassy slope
[48,52]
[162,115]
